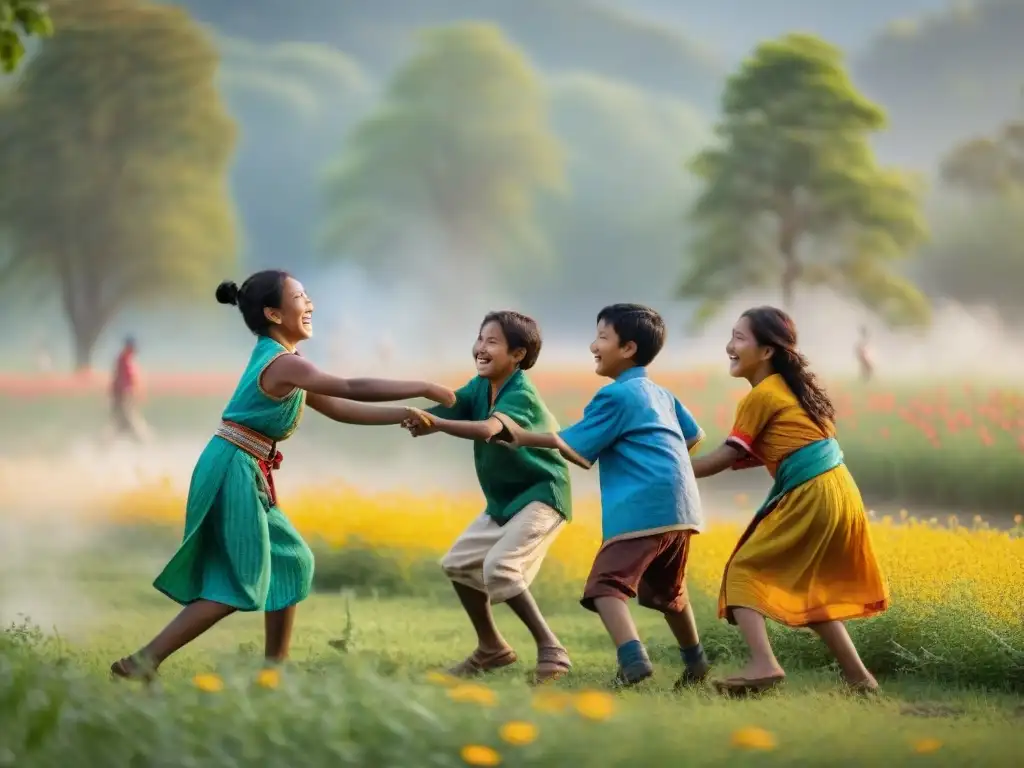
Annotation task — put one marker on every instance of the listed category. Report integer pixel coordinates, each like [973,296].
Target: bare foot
[134,667]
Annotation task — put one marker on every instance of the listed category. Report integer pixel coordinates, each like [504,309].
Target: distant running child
[806,559]
[239,551]
[641,435]
[528,496]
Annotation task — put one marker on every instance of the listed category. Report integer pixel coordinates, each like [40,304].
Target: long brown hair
[774,328]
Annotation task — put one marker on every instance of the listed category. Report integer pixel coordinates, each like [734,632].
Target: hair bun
[227,292]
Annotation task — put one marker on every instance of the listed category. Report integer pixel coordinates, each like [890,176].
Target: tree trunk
[86,315]
[85,337]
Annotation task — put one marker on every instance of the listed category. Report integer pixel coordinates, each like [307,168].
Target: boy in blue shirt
[642,436]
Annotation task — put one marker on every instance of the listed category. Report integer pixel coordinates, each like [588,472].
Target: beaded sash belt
[260,447]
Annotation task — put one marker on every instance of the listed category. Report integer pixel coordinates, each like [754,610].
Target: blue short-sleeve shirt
[638,433]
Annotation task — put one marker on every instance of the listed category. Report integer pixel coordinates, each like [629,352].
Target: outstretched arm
[514,436]
[350,412]
[468,430]
[722,458]
[291,371]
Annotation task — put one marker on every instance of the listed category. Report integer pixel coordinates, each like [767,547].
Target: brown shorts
[650,568]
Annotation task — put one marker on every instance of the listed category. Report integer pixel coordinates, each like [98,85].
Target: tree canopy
[20,19]
[452,159]
[113,164]
[988,166]
[793,194]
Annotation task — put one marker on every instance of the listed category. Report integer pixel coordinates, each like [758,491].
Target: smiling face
[494,360]
[747,358]
[293,320]
[610,356]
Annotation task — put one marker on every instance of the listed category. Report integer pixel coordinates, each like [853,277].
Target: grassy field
[953,445]
[950,656]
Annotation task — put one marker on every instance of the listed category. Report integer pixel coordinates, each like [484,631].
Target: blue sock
[694,656]
[632,652]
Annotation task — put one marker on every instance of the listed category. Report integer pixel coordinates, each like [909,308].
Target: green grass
[371,704]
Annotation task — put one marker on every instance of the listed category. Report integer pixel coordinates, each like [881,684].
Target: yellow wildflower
[475,754]
[208,683]
[473,694]
[927,746]
[441,678]
[753,738]
[268,678]
[518,732]
[595,705]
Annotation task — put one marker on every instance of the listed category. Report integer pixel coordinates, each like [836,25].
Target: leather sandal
[552,663]
[480,662]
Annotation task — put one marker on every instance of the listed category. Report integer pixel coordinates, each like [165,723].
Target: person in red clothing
[123,393]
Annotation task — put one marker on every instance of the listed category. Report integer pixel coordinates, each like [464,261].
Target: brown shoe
[480,662]
[552,663]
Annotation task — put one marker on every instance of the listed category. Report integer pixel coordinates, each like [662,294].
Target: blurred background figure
[126,421]
[864,358]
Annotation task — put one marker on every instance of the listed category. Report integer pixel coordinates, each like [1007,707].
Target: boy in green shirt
[527,493]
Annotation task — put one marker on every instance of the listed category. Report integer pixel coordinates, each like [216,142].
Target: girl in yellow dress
[806,559]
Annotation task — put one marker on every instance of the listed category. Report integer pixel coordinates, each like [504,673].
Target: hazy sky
[733,27]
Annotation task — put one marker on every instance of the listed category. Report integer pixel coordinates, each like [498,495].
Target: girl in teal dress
[239,551]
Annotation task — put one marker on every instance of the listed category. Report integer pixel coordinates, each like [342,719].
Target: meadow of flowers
[950,654]
[956,585]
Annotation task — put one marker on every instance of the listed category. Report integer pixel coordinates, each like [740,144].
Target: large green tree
[20,19]
[452,161]
[114,153]
[793,194]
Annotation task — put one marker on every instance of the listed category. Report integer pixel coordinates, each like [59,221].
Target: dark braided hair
[774,328]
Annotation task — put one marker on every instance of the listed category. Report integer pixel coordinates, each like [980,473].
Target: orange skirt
[809,560]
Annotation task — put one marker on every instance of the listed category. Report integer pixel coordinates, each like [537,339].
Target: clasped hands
[419,424]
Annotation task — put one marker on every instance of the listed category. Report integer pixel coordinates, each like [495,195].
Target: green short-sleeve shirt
[512,479]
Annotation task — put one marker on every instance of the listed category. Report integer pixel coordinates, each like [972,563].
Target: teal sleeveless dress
[239,549]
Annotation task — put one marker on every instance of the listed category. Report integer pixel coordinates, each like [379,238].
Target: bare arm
[468,430]
[349,412]
[514,436]
[719,460]
[291,371]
